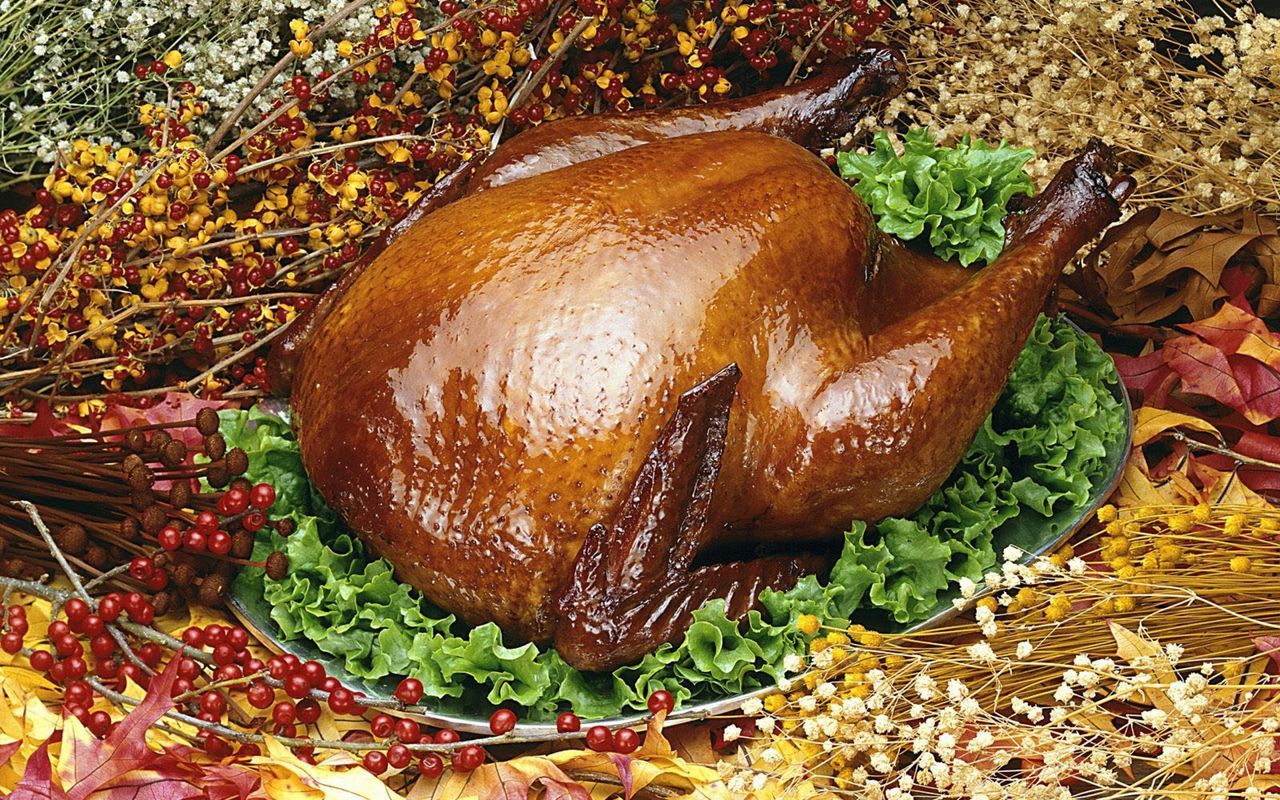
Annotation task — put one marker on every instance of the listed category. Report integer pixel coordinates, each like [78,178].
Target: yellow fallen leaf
[1150,423]
[23,718]
[340,777]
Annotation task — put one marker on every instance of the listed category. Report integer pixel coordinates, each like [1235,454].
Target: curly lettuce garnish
[1052,439]
[957,195]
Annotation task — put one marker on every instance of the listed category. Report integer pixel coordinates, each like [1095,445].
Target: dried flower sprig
[1191,103]
[1141,664]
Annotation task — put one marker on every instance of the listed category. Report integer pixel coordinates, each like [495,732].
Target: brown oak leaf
[1157,263]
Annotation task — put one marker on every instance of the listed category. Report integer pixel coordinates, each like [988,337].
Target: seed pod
[143,499]
[243,484]
[153,519]
[284,526]
[162,603]
[160,438]
[135,441]
[277,565]
[183,574]
[237,461]
[213,589]
[161,559]
[217,474]
[207,422]
[215,447]
[180,494]
[96,556]
[173,454]
[128,528]
[131,462]
[242,544]
[140,478]
[72,538]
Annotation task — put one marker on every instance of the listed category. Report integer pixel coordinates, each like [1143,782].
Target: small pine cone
[217,474]
[154,518]
[173,454]
[183,575]
[96,556]
[213,590]
[140,478]
[237,461]
[142,499]
[72,538]
[215,447]
[207,422]
[135,441]
[163,603]
[180,494]
[131,462]
[242,544]
[277,565]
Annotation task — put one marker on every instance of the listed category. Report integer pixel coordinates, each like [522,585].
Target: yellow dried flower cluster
[1192,104]
[1027,705]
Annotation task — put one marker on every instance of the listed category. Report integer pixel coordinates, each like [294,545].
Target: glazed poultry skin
[487,388]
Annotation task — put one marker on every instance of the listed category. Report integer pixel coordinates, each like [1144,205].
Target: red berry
[284,713]
[93,625]
[398,756]
[11,642]
[600,739]
[58,628]
[342,701]
[102,646]
[212,703]
[308,711]
[41,660]
[219,543]
[78,693]
[207,521]
[408,731]
[502,721]
[144,615]
[297,686]
[382,725]
[375,761]
[626,741]
[189,668]
[409,691]
[196,541]
[254,521]
[262,496]
[468,758]
[314,672]
[110,606]
[193,637]
[260,695]
[99,723]
[237,637]
[76,610]
[661,700]
[446,736]
[234,501]
[568,722]
[431,766]
[224,654]
[141,568]
[213,634]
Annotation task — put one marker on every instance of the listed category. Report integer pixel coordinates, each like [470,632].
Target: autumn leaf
[339,777]
[37,780]
[87,765]
[1150,423]
[1159,265]
[25,724]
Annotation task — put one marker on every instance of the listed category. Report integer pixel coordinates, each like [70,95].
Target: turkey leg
[632,587]
[821,108]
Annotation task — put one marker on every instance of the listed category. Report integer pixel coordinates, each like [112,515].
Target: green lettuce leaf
[957,195]
[1032,465]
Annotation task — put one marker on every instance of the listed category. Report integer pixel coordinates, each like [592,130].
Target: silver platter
[1056,532]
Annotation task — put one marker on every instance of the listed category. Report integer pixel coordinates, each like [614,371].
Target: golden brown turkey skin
[487,388]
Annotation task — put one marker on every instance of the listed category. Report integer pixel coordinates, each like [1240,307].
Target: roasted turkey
[667,336]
